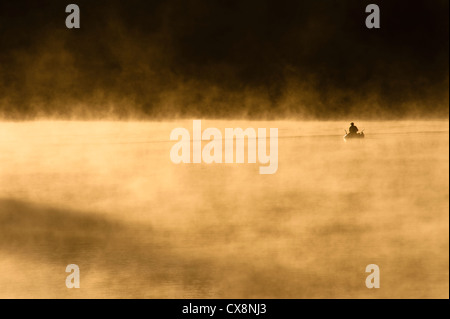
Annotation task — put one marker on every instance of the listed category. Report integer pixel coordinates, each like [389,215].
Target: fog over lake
[107,197]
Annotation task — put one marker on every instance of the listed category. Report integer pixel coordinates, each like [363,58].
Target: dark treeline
[223,58]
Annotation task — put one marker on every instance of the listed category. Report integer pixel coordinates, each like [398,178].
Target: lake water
[107,197]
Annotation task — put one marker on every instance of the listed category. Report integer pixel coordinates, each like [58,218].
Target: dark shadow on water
[136,254]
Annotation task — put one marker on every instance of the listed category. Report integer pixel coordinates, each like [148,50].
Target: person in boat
[352,129]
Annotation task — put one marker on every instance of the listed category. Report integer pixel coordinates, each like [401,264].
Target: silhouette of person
[353,129]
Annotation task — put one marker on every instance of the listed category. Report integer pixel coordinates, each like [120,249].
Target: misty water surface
[105,196]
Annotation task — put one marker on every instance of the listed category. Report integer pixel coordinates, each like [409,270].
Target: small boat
[349,136]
